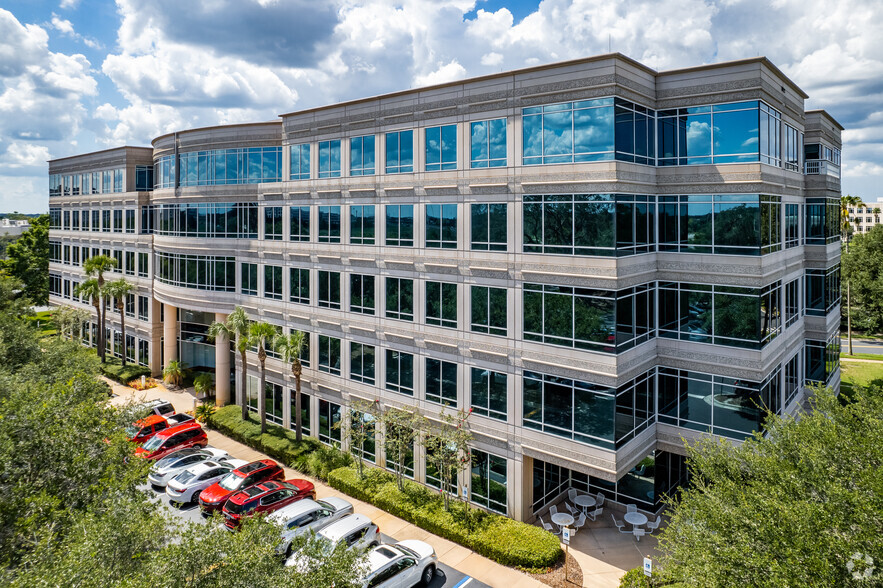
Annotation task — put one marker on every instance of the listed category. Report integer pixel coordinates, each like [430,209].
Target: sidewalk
[450,553]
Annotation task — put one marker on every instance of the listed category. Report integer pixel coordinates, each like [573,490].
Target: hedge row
[114,370]
[497,537]
[308,456]
[494,536]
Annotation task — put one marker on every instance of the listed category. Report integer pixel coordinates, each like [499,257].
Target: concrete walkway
[450,553]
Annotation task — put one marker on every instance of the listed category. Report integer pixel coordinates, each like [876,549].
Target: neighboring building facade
[596,258]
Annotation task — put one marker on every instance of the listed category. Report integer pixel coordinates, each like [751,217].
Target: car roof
[297,509]
[178,429]
[382,555]
[255,466]
[150,420]
[336,530]
[204,466]
[337,503]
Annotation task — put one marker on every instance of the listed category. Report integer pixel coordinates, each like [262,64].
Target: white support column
[170,334]
[222,365]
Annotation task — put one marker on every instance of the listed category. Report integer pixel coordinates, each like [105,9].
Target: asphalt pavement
[445,575]
[871,346]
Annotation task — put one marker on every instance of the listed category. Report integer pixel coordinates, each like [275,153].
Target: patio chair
[574,511]
[580,521]
[599,501]
[547,526]
[631,508]
[571,494]
[638,533]
[619,524]
[553,510]
[653,525]
[596,513]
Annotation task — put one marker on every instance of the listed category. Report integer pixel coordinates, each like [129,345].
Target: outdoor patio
[602,551]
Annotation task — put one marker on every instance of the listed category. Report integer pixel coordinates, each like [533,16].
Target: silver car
[401,565]
[355,531]
[175,463]
[186,486]
[307,515]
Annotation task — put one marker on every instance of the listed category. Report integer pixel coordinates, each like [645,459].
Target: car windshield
[153,443]
[184,477]
[131,431]
[230,482]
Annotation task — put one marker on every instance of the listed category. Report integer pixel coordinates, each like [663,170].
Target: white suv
[355,531]
[308,515]
[401,565]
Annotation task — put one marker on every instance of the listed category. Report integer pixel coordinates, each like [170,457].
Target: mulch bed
[555,576]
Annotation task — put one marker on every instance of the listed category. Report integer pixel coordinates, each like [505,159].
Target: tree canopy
[793,508]
[28,260]
[862,267]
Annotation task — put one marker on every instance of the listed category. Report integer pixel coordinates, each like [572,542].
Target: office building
[596,258]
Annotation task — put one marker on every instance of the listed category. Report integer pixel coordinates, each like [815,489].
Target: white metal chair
[580,521]
[600,500]
[574,511]
[571,494]
[653,525]
[553,510]
[619,524]
[547,526]
[596,513]
[631,508]
[638,533]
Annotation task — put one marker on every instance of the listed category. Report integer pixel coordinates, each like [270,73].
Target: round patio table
[585,501]
[635,519]
[562,519]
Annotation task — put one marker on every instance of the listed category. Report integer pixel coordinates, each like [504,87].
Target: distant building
[863,219]
[597,259]
[13,227]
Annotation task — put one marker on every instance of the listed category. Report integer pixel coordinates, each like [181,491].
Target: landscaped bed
[497,537]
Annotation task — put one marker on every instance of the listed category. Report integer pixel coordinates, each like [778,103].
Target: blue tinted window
[228,166]
[400,152]
[329,224]
[488,143]
[329,159]
[362,156]
[569,132]
[400,225]
[441,226]
[300,162]
[441,148]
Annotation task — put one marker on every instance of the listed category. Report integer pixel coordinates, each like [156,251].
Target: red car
[142,430]
[174,438]
[265,497]
[213,498]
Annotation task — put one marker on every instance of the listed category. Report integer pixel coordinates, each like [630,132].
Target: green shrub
[494,536]
[634,578]
[114,370]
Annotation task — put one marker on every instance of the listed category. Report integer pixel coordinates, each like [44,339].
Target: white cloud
[25,155]
[63,26]
[445,73]
[491,59]
[69,4]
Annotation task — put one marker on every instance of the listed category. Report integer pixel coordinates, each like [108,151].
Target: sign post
[648,566]
[565,538]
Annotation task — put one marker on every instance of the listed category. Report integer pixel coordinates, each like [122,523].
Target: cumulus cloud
[445,73]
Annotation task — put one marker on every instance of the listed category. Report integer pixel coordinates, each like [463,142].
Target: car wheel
[428,575]
[195,497]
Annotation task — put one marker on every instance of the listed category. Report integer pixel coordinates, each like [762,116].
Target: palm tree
[235,327]
[95,267]
[91,290]
[291,348]
[120,290]
[847,202]
[260,334]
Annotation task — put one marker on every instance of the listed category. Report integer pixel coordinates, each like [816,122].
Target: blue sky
[82,75]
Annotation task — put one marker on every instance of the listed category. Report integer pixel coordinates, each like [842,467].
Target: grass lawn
[44,322]
[861,373]
[871,356]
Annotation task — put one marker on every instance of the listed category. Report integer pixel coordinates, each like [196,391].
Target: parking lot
[445,576]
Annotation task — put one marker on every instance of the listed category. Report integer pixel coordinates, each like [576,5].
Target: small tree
[173,373]
[447,449]
[95,268]
[291,348]
[363,423]
[203,384]
[119,290]
[401,429]
[260,334]
[92,290]
[236,327]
